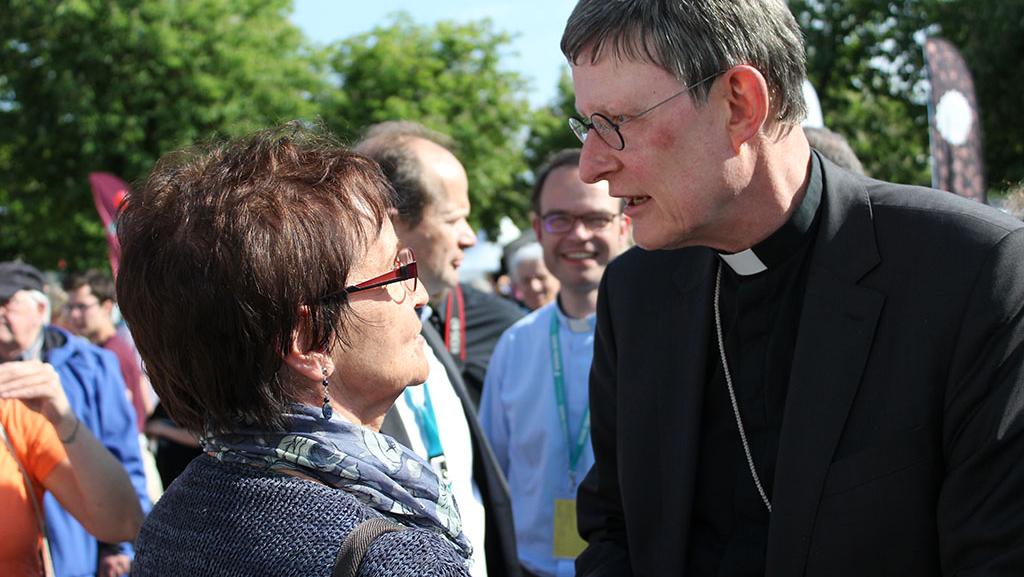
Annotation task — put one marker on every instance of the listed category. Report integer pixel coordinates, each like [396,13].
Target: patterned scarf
[375,468]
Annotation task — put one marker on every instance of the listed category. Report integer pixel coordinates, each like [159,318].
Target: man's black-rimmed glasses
[609,130]
[558,222]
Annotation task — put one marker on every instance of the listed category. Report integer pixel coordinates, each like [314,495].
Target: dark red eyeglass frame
[402,272]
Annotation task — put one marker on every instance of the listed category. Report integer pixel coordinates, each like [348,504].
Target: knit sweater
[235,520]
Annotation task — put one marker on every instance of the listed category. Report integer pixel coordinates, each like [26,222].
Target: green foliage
[990,35]
[549,127]
[865,64]
[89,85]
[865,60]
[447,77]
[111,85]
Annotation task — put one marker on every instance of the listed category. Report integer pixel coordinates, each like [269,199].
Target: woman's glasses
[404,272]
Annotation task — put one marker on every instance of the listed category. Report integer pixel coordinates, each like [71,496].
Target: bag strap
[48,570]
[354,547]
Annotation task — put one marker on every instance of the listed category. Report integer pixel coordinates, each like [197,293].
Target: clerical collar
[584,325]
[783,242]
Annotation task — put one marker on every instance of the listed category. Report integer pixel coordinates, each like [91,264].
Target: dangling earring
[327,409]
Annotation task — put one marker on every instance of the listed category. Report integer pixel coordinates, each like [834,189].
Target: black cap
[16,276]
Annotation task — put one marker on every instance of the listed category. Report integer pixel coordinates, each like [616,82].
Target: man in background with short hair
[90,314]
[432,192]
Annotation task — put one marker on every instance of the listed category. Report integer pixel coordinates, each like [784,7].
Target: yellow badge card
[568,544]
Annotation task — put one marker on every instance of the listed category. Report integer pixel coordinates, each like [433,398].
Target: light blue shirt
[519,414]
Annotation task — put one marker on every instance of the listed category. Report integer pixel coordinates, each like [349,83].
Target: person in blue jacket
[92,381]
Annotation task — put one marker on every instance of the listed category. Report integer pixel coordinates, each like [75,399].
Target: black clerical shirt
[760,318]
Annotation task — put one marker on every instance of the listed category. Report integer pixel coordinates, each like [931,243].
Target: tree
[448,78]
[865,59]
[549,127]
[90,85]
[990,35]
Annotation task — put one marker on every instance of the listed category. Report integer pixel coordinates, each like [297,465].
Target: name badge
[567,542]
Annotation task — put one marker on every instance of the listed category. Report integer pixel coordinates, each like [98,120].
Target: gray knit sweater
[229,519]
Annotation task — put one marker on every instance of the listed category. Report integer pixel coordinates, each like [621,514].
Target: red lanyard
[455,324]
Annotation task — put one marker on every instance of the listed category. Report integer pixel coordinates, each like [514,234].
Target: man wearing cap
[92,381]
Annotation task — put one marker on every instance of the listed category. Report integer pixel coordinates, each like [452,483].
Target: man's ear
[535,223]
[308,363]
[108,307]
[748,101]
[402,225]
[41,310]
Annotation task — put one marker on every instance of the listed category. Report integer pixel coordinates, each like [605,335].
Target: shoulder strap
[354,547]
[45,551]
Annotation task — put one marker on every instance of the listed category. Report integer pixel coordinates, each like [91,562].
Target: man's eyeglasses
[561,222]
[79,307]
[609,130]
[404,272]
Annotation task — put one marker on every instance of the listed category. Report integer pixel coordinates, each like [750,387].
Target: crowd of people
[798,370]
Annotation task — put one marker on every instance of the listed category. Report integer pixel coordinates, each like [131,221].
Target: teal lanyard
[558,373]
[426,421]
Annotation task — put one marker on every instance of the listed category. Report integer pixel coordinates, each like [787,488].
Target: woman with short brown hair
[274,310]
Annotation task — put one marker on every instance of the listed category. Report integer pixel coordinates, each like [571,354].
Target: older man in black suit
[823,377]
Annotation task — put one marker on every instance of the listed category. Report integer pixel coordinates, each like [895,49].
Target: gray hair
[387,143]
[527,253]
[698,39]
[39,297]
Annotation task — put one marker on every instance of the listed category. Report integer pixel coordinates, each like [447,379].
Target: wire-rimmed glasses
[609,130]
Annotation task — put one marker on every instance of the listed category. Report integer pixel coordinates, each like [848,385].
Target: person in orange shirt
[42,433]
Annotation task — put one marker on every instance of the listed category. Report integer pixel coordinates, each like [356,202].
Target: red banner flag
[957,164]
[108,192]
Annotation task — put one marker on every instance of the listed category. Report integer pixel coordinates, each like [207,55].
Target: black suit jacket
[500,541]
[901,450]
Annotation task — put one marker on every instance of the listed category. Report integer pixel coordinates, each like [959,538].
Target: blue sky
[536,24]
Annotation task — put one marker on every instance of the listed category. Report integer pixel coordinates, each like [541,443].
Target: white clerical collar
[787,240]
[584,325]
[744,263]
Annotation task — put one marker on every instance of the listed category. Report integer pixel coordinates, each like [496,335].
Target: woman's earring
[327,409]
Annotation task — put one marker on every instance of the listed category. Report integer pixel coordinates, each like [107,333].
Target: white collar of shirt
[744,263]
[584,325]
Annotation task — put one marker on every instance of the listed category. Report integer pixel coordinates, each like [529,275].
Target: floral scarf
[375,468]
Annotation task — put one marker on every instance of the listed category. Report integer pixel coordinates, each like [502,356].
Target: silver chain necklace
[732,394]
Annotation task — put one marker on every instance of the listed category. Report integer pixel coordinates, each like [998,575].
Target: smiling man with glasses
[535,407]
[802,371]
